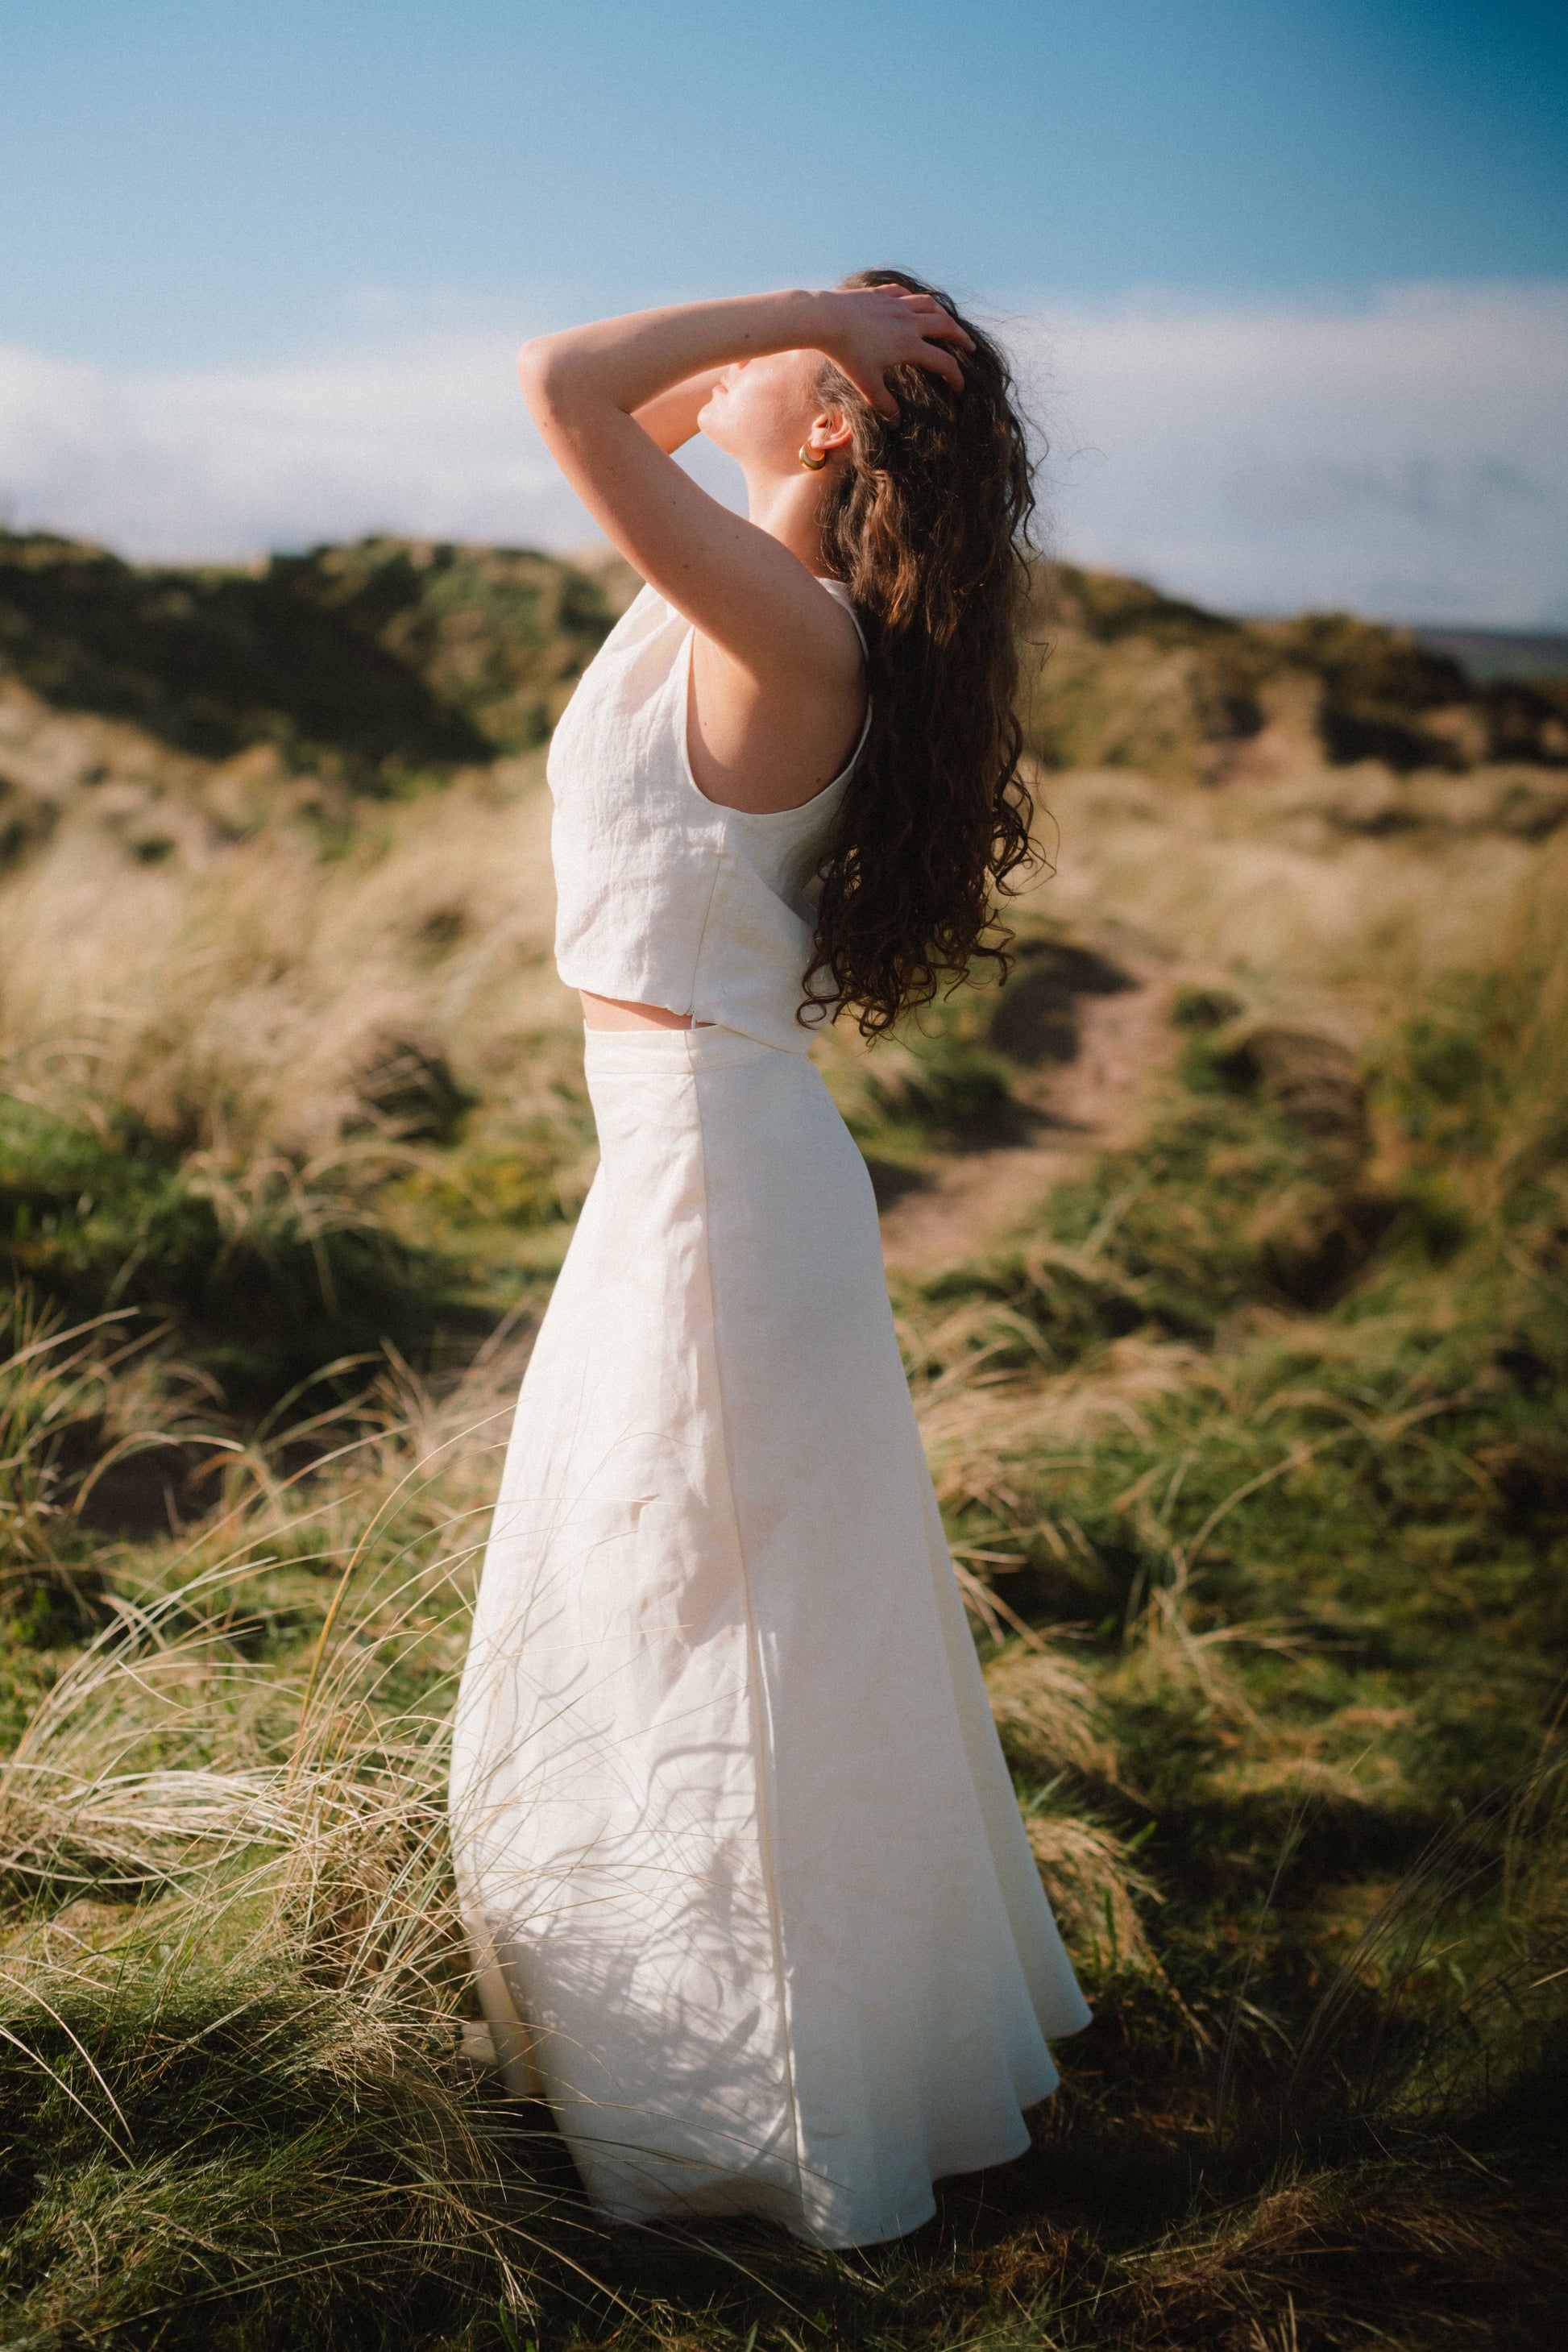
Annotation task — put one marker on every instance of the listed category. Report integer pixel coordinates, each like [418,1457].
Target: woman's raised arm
[612,399]
[670,418]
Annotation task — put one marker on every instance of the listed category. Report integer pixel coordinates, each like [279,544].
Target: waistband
[619,1053]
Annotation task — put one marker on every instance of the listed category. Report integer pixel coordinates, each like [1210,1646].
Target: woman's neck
[790,512]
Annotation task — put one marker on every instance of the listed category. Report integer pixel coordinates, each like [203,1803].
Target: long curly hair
[928,527]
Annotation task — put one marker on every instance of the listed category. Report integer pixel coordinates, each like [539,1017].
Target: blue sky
[243,223]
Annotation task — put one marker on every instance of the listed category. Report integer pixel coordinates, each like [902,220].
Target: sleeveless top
[664,897]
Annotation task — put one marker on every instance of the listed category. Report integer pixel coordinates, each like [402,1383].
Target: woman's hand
[875,327]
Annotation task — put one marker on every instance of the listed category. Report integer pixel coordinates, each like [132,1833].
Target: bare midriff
[614,1013]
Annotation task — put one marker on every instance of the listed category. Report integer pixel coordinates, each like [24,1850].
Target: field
[1228,1244]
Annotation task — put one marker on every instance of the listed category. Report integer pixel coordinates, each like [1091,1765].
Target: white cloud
[218,463]
[1408,456]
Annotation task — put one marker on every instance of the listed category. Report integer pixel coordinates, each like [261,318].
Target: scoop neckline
[759,817]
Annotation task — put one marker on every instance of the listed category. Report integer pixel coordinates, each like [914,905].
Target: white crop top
[662,895]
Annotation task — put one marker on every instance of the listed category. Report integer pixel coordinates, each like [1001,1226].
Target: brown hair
[928,525]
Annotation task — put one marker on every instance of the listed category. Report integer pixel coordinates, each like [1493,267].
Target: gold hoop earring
[814,464]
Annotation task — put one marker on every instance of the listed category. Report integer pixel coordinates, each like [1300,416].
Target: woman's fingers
[895,327]
[934,320]
[942,364]
[938,325]
[936,358]
[870,382]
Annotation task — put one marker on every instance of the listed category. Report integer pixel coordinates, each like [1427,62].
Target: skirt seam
[761,1713]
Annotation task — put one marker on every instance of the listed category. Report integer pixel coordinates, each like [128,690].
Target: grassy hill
[382,659]
[1239,1340]
[390,659]
[1137,679]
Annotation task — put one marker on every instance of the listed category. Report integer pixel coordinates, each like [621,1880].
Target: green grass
[263,1275]
[1290,1763]
[270,1273]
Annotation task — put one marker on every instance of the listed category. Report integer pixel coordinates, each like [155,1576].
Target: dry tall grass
[238,1005]
[1264,1546]
[233,1973]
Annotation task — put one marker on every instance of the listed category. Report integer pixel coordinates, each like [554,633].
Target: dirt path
[1093,1103]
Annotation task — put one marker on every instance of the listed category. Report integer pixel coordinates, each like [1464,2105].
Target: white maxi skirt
[751,1900]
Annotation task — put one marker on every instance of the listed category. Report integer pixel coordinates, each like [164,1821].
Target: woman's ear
[831,432]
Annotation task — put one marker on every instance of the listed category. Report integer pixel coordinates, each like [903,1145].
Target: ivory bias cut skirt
[750,1897]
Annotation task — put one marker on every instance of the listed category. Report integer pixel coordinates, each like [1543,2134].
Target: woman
[749,1896]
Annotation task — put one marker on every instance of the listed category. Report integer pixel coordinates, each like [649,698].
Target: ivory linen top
[665,897]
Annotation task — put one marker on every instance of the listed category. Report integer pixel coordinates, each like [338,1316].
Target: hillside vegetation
[374,660]
[1247,1420]
[1138,680]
